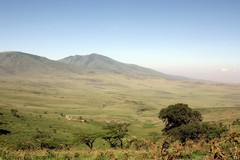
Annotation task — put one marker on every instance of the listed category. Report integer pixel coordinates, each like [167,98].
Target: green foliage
[222,148]
[88,138]
[182,123]
[185,132]
[211,130]
[115,132]
[137,143]
[101,97]
[195,131]
[177,115]
[45,139]
[6,155]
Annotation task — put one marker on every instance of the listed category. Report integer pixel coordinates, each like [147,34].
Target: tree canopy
[177,115]
[115,132]
[183,123]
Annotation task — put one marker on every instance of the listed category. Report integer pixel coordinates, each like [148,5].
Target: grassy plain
[42,102]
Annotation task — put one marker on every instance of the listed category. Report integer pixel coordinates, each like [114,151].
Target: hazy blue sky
[195,38]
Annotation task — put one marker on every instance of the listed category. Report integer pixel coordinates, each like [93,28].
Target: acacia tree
[87,138]
[115,132]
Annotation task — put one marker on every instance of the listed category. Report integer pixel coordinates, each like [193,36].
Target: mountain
[104,63]
[19,63]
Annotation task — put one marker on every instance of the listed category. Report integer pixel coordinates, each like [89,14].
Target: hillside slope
[17,63]
[104,63]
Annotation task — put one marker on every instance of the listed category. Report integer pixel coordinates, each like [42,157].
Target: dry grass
[101,97]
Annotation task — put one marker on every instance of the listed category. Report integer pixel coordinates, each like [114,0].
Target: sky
[193,38]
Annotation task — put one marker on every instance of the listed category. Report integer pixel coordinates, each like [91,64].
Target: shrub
[183,124]
[4,132]
[213,130]
[177,115]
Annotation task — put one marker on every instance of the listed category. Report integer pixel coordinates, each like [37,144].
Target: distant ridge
[19,63]
[104,63]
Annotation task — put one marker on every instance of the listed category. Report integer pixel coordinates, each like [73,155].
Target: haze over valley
[101,80]
[103,74]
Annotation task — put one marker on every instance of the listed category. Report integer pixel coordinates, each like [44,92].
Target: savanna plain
[44,117]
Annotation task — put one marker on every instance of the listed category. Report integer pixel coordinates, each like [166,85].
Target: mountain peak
[104,63]
[95,55]
[92,55]
[19,63]
[93,60]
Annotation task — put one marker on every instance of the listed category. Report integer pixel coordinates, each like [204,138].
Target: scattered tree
[115,132]
[182,123]
[177,115]
[87,138]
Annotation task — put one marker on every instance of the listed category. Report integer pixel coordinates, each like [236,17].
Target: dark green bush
[183,124]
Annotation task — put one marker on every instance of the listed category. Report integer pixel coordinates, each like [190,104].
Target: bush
[25,146]
[137,143]
[6,155]
[183,124]
[186,132]
[213,130]
[4,132]
[177,115]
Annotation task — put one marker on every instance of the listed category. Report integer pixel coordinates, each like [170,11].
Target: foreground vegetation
[110,117]
[112,140]
[226,147]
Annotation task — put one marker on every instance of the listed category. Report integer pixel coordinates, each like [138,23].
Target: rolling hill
[105,93]
[18,63]
[104,63]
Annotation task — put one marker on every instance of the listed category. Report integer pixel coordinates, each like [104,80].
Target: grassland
[43,102]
